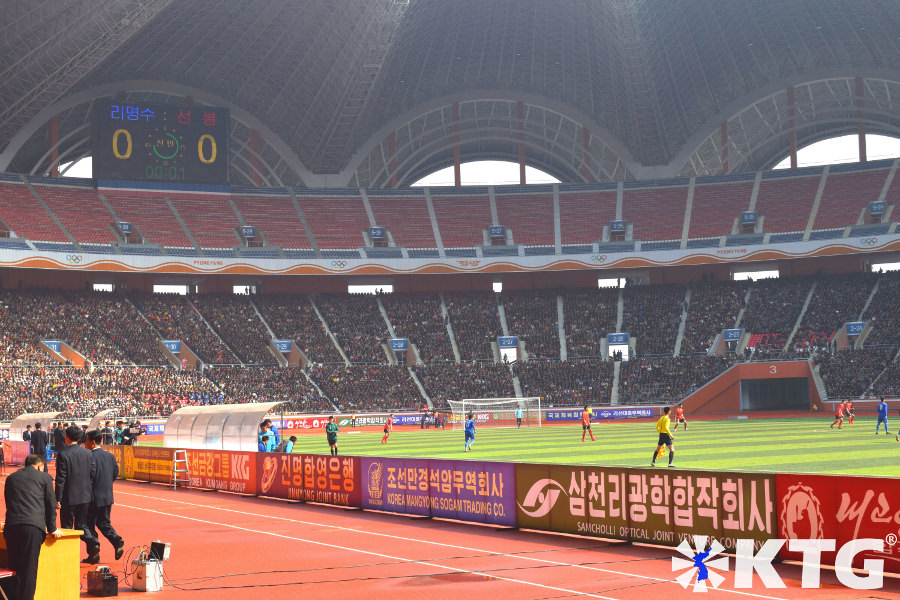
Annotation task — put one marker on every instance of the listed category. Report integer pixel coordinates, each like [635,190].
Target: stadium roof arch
[355,92]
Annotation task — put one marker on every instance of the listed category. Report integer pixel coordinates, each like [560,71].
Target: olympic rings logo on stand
[74,259]
[869,242]
[338,264]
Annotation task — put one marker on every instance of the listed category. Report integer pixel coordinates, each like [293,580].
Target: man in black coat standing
[59,438]
[104,471]
[39,442]
[73,486]
[30,517]
[26,435]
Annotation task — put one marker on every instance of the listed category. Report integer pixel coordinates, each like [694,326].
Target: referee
[665,438]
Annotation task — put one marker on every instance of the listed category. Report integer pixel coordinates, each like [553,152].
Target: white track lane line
[370,553]
[442,544]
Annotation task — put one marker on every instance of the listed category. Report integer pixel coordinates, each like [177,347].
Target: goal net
[496,412]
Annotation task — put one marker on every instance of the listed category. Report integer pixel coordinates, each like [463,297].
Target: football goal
[496,412]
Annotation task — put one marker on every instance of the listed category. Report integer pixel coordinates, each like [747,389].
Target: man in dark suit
[39,442]
[30,517]
[73,486]
[104,471]
[59,438]
[26,435]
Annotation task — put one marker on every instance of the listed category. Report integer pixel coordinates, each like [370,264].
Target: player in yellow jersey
[665,438]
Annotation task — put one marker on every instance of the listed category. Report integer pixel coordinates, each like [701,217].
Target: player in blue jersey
[882,417]
[470,430]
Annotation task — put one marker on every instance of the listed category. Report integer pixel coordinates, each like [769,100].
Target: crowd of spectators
[714,306]
[238,324]
[357,324]
[269,384]
[589,315]
[534,317]
[176,318]
[570,383]
[889,382]
[359,388]
[418,317]
[454,381]
[773,308]
[80,393]
[836,300]
[882,312]
[48,315]
[111,330]
[667,379]
[848,373]
[652,316]
[292,317]
[475,320]
[117,318]
[16,336]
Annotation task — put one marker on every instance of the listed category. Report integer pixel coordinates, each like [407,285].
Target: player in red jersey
[839,416]
[388,428]
[679,417]
[586,423]
[848,410]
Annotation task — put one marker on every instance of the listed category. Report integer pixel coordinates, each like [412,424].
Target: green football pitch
[799,445]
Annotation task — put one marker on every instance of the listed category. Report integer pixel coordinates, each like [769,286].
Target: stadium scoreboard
[160,142]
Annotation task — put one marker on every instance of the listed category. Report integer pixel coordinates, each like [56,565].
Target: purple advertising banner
[480,492]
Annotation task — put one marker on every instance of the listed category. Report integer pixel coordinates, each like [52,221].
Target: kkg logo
[700,568]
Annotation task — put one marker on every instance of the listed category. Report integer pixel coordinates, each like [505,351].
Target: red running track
[231,547]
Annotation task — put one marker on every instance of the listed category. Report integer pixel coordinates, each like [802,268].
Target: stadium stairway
[561,328]
[683,322]
[819,383]
[328,331]
[809,296]
[50,212]
[213,330]
[517,385]
[446,315]
[887,368]
[425,396]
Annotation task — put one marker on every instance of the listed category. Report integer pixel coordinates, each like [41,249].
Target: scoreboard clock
[160,142]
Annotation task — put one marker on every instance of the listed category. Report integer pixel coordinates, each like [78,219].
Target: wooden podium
[59,570]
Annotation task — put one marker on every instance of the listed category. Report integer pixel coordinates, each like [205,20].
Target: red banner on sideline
[309,477]
[15,451]
[223,470]
[840,508]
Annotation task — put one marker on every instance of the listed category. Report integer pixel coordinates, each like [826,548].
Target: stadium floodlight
[496,412]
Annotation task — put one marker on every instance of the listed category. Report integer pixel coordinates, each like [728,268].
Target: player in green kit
[331,432]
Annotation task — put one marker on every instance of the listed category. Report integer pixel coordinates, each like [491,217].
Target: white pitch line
[370,553]
[445,545]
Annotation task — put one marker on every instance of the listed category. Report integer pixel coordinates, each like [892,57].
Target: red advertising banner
[223,470]
[646,505]
[309,477]
[15,452]
[153,464]
[840,508]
